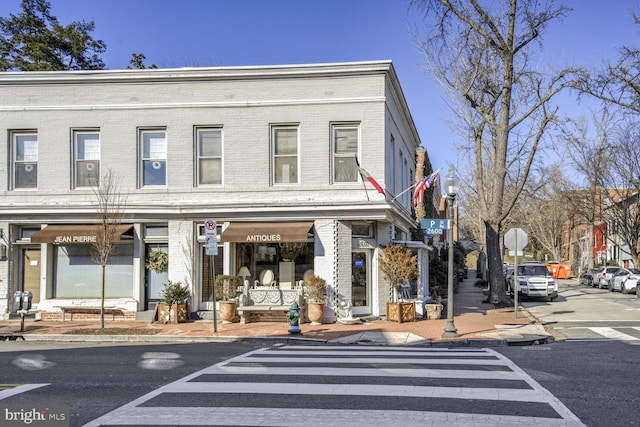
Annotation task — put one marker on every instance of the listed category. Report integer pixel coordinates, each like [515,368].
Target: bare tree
[610,165]
[617,83]
[481,54]
[110,211]
[622,212]
[545,212]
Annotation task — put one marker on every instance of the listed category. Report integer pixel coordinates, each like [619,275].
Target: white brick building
[266,151]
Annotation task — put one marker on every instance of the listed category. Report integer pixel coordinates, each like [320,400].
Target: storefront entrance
[30,273]
[360,280]
[206,285]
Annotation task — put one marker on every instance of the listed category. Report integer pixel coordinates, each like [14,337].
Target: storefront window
[76,275]
[259,257]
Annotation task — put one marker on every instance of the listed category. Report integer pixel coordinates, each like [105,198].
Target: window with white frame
[345,149]
[285,154]
[154,157]
[25,160]
[362,230]
[209,152]
[87,158]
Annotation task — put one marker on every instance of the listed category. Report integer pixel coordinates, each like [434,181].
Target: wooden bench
[113,311]
[268,303]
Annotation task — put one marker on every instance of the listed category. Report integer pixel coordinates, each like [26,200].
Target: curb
[522,340]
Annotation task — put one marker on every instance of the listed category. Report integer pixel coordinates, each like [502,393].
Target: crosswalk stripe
[357,360]
[363,390]
[390,372]
[19,389]
[294,417]
[613,334]
[238,400]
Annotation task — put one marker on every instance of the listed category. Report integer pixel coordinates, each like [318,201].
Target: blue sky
[267,32]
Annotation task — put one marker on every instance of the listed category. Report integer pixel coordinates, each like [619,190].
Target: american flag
[418,191]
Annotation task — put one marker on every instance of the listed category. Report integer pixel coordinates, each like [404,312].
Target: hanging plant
[157,261]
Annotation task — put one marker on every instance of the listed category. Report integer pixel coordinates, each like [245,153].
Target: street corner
[514,334]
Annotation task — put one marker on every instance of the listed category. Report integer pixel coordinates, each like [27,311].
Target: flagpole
[404,191]
[437,172]
[364,185]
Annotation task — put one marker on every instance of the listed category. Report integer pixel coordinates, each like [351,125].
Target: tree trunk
[102,299]
[496,279]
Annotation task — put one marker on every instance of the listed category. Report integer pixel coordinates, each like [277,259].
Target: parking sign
[210,228]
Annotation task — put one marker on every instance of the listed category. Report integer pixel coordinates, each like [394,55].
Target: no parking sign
[211,239]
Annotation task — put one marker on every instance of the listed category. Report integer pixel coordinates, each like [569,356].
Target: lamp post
[451,185]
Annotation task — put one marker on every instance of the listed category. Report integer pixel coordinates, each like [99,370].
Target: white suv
[535,281]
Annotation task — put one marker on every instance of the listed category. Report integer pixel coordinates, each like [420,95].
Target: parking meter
[26,300]
[17,301]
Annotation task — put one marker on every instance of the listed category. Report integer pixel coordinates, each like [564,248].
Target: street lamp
[451,185]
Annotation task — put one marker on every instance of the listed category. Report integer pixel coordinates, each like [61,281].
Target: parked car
[535,281]
[619,277]
[630,284]
[586,278]
[603,276]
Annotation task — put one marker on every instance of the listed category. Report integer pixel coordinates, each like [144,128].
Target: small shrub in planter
[315,289]
[175,293]
[226,290]
[174,307]
[226,287]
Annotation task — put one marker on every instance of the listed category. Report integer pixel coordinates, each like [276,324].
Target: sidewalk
[479,324]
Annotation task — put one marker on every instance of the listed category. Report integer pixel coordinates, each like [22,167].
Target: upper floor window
[25,160]
[285,154]
[87,158]
[154,157]
[345,149]
[209,152]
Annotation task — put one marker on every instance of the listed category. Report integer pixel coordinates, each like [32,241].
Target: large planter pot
[433,311]
[401,312]
[227,310]
[175,313]
[315,312]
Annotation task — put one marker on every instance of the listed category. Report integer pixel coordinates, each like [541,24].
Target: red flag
[369,178]
[365,175]
[418,191]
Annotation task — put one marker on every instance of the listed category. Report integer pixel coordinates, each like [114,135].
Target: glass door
[31,273]
[206,301]
[360,280]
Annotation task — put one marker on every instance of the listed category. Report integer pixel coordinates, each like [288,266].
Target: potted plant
[433,306]
[398,265]
[157,261]
[174,307]
[315,292]
[226,290]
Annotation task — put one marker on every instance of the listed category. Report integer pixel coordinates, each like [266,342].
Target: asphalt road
[96,378]
[593,375]
[583,312]
[597,380]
